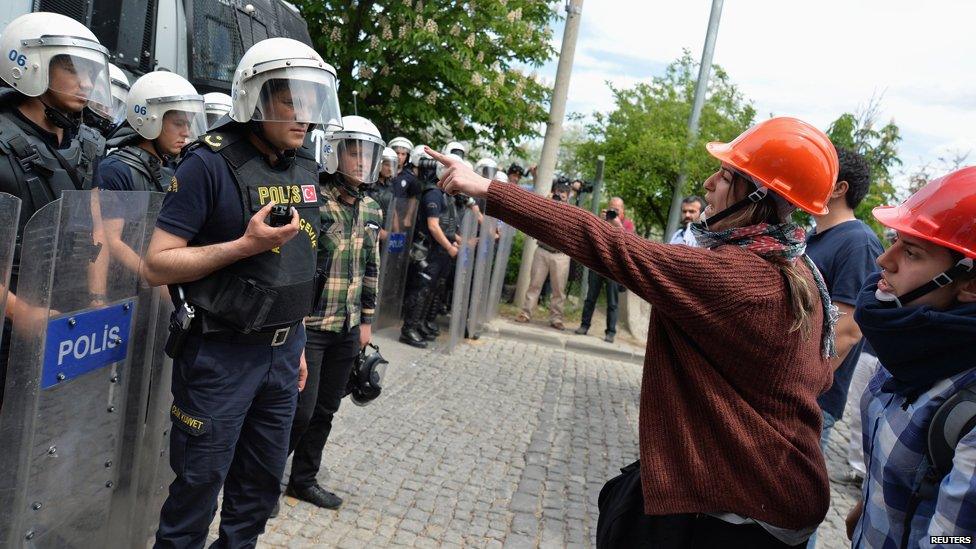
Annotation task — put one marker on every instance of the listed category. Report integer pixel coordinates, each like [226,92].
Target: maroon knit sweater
[729,420]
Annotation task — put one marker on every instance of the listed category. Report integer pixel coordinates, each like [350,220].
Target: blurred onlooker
[548,262]
[691,208]
[615,216]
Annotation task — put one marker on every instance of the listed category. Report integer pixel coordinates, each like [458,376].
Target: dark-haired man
[691,209]
[845,250]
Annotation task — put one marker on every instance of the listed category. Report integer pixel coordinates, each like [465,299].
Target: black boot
[412,317]
[428,324]
[316,495]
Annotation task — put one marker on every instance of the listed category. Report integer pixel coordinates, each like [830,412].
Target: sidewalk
[504,443]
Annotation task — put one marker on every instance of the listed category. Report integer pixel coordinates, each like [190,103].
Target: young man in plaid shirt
[340,327]
[919,314]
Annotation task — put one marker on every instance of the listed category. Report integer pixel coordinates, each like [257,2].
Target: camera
[425,163]
[611,215]
[280,215]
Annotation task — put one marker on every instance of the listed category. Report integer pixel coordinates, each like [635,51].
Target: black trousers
[594,283]
[330,357]
[694,531]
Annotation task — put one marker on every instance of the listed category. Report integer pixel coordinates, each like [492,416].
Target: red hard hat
[942,212]
[788,156]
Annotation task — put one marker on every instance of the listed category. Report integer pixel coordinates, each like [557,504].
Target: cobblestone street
[502,444]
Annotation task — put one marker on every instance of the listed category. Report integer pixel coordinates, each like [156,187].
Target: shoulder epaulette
[214,141]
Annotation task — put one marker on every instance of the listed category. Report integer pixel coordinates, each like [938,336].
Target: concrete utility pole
[595,208]
[704,72]
[554,132]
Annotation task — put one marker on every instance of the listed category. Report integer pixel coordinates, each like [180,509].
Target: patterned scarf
[784,241]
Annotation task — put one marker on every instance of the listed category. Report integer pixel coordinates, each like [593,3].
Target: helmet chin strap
[754,197]
[60,118]
[355,191]
[941,280]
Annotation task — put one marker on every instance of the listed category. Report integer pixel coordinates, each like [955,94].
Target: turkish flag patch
[309,194]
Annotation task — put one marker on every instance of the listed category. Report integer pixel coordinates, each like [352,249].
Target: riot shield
[499,268]
[75,351]
[395,261]
[481,279]
[463,269]
[9,214]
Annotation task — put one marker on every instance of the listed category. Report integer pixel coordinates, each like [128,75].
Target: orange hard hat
[788,156]
[942,212]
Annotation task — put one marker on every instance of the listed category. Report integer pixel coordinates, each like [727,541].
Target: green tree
[645,138]
[439,69]
[861,133]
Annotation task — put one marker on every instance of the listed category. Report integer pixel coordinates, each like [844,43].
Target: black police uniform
[131,168]
[235,378]
[382,193]
[35,167]
[423,283]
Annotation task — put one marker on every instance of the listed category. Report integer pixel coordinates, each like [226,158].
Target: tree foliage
[645,138]
[879,146]
[437,69]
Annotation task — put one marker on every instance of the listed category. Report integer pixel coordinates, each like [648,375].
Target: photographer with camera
[434,249]
[614,215]
[548,262]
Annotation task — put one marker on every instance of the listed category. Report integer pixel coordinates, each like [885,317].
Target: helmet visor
[389,166]
[359,160]
[307,95]
[214,114]
[185,118]
[487,171]
[81,76]
[119,94]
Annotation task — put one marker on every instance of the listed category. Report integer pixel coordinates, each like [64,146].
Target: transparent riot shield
[76,350]
[395,261]
[9,214]
[499,268]
[481,279]
[463,269]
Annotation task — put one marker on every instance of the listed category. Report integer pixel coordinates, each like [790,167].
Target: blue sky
[812,60]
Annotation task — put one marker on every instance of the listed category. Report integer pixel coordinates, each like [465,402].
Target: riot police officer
[382,190]
[55,67]
[216,105]
[236,242]
[106,125]
[166,113]
[341,325]
[437,225]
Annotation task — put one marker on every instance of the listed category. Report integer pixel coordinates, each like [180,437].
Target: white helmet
[486,167]
[500,176]
[156,93]
[402,142]
[455,148]
[278,65]
[120,91]
[390,158]
[417,153]
[441,168]
[31,43]
[355,151]
[215,104]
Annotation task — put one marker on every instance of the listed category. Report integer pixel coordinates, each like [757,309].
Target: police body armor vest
[146,171]
[39,174]
[275,288]
[448,219]
[383,195]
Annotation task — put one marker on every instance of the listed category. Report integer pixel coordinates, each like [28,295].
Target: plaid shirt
[895,446]
[349,253]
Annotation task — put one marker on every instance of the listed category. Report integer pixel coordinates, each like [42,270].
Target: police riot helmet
[400,143]
[417,153]
[455,148]
[486,167]
[36,44]
[500,177]
[390,160]
[281,65]
[156,93]
[216,104]
[367,376]
[355,151]
[120,92]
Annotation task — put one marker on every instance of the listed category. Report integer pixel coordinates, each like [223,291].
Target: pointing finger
[442,158]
